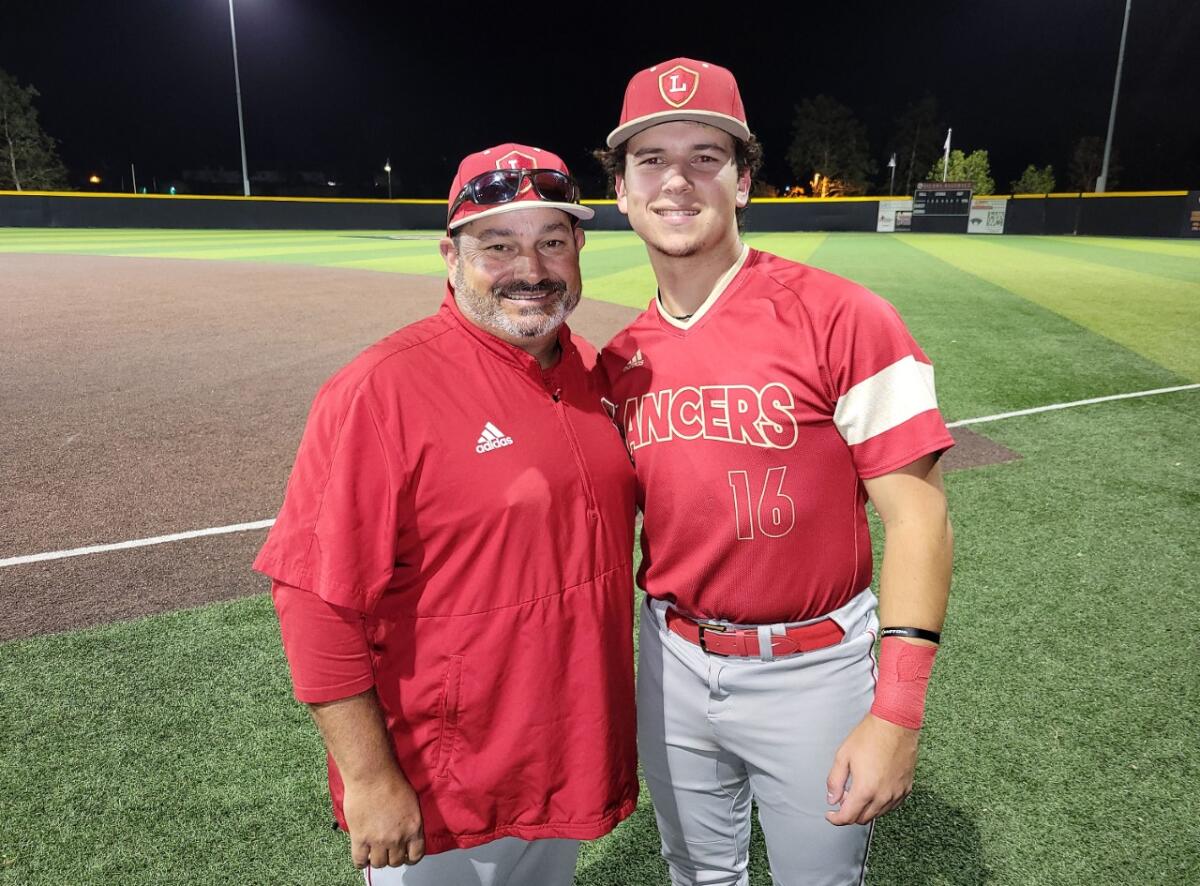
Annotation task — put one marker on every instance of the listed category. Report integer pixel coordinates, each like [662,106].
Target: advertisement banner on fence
[1191,218]
[894,215]
[987,216]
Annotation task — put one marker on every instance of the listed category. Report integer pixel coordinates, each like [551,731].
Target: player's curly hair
[747,155]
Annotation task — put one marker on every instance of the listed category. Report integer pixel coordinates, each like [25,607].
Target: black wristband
[912,633]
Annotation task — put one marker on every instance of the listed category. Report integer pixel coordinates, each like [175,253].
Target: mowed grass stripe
[426,265]
[103,237]
[798,246]
[203,245]
[1173,267]
[1150,315]
[85,234]
[992,350]
[1154,246]
[318,251]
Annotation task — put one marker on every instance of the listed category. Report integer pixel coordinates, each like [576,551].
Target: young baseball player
[764,402]
[451,564]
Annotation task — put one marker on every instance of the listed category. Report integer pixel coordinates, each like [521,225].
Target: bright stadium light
[387,167]
[237,85]
[1102,181]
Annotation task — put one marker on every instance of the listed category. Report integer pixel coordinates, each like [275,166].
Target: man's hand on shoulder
[878,760]
[384,818]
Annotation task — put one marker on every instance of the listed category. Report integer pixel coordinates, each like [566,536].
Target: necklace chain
[674,316]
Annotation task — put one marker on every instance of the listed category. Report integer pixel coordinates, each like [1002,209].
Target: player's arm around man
[880,755]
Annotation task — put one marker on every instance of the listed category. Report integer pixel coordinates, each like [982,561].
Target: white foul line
[264,524]
[1053,406]
[136,543]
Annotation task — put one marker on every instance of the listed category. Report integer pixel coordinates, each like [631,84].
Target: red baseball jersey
[479,512]
[753,425]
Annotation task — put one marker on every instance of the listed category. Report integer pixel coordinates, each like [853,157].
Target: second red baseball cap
[508,156]
[681,89]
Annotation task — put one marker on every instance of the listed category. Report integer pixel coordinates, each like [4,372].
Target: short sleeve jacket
[479,512]
[753,425]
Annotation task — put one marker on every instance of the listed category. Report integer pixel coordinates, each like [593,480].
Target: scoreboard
[942,198]
[941,207]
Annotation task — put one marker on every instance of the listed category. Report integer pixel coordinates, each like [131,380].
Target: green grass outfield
[1061,740]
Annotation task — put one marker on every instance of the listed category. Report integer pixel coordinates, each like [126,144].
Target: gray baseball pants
[716,732]
[504,862]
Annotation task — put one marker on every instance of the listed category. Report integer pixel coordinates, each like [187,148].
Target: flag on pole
[946,157]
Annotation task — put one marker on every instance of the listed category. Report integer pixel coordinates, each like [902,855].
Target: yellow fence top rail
[597,202]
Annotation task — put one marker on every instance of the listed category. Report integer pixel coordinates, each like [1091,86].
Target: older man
[451,564]
[764,402]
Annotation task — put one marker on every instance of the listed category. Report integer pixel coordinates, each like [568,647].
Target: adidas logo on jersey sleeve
[492,438]
[635,361]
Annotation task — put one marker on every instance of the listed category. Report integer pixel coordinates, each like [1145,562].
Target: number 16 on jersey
[761,507]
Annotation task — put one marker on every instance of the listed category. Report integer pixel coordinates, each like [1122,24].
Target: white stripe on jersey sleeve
[887,399]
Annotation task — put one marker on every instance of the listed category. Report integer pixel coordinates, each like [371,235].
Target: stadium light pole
[387,167]
[1102,181]
[237,85]
[892,183]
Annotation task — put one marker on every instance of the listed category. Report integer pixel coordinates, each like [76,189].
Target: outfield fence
[1129,214]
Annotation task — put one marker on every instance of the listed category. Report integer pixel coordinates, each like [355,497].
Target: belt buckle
[703,626]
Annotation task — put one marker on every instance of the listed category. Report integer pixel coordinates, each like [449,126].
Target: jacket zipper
[573,441]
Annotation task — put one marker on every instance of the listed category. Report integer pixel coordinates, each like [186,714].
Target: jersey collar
[721,285]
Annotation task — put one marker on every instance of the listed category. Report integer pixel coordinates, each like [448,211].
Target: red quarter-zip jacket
[479,512]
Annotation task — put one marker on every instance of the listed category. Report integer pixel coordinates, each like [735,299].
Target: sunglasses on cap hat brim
[501,186]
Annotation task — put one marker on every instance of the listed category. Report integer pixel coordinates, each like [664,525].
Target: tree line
[28,156]
[831,155]
[829,152]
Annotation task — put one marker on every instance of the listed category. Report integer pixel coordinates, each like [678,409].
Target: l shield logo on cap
[678,86]
[517,160]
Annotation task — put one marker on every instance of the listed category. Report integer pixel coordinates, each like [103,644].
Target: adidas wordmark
[492,438]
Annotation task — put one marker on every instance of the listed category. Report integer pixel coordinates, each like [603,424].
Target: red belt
[719,639]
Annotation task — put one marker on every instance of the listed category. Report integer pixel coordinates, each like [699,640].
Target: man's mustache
[547,286]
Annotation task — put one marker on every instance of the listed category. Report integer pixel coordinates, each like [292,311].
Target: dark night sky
[337,87]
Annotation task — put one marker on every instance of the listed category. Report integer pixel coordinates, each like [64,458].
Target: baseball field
[154,387]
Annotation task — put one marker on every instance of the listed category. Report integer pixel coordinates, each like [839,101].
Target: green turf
[1060,745]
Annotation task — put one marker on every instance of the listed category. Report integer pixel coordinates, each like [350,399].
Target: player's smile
[675,216]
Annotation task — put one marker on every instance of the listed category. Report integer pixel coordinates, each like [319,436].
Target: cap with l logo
[681,89]
[509,156]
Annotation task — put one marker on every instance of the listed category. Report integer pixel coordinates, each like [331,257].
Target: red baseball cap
[508,156]
[681,89]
